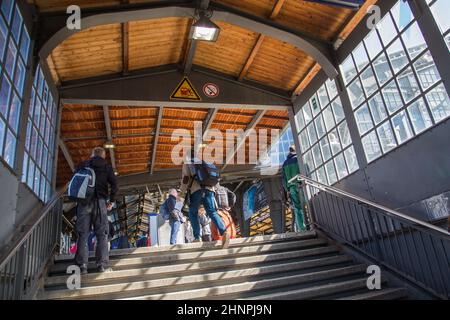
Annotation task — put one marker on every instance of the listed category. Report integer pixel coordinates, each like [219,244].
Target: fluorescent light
[109,145]
[204,29]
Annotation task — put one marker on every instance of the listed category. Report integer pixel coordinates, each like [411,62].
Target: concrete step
[383,294]
[215,291]
[173,258]
[240,242]
[193,281]
[330,252]
[315,292]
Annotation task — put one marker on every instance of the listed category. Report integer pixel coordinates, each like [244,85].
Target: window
[14,47]
[278,152]
[40,139]
[440,10]
[326,145]
[394,87]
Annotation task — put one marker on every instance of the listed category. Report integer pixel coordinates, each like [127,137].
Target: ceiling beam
[125,47]
[66,154]
[209,121]
[275,12]
[307,79]
[109,136]
[230,156]
[155,139]
[190,54]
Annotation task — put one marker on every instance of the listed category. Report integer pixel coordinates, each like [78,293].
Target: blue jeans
[207,201]
[175,226]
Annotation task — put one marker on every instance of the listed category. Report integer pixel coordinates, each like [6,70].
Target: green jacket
[290,169]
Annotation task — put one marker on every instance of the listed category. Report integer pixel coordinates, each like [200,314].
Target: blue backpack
[82,185]
[206,174]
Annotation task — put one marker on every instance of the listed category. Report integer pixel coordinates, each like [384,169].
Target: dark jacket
[104,176]
[290,170]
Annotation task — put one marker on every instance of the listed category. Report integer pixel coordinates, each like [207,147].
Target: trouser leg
[208,203]
[194,204]
[298,210]
[175,227]
[83,228]
[101,229]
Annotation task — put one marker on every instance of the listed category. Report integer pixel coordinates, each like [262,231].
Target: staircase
[288,266]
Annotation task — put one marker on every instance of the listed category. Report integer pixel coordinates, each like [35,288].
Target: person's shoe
[101,269]
[83,269]
[197,240]
[226,240]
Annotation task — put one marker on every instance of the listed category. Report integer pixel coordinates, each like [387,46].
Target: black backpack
[206,174]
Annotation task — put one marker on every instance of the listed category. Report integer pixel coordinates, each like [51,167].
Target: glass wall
[40,139]
[325,141]
[441,10]
[279,151]
[394,87]
[14,51]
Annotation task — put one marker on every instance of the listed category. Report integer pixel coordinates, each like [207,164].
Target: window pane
[3,35]
[17,25]
[344,133]
[325,147]
[5,92]
[348,69]
[25,44]
[387,30]
[408,85]
[2,134]
[356,93]
[334,142]
[304,143]
[37,180]
[10,149]
[309,164]
[368,81]
[439,104]
[338,110]
[377,109]
[317,156]
[322,176]
[363,119]
[360,57]
[426,70]
[332,89]
[34,139]
[440,10]
[25,168]
[323,96]
[7,6]
[350,157]
[382,69]
[373,44]
[419,116]
[307,113]
[401,126]
[386,136]
[312,133]
[314,105]
[300,121]
[402,14]
[328,118]
[340,166]
[14,113]
[20,76]
[30,180]
[331,172]
[371,146]
[10,59]
[392,97]
[320,126]
[397,55]
[414,41]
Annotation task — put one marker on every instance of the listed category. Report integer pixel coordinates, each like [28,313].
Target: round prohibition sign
[211,90]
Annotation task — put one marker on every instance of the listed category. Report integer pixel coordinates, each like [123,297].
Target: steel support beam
[109,136]
[209,121]
[66,154]
[54,30]
[156,138]
[241,142]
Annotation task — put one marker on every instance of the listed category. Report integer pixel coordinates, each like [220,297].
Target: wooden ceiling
[133,129]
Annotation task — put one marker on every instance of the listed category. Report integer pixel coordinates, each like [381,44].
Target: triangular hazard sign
[185,91]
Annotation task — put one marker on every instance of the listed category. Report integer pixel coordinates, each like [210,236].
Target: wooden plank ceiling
[240,53]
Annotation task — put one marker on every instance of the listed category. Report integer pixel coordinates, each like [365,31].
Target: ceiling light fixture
[109,145]
[204,29]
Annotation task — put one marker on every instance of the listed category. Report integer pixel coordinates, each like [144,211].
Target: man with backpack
[225,200]
[199,179]
[93,210]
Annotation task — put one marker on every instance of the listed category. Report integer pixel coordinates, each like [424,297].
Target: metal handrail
[428,226]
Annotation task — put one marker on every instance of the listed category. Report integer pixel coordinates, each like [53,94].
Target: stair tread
[386,293]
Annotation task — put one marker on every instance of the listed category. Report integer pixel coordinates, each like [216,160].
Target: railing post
[373,231]
[20,274]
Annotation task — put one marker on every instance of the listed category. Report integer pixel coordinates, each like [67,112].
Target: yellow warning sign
[185,91]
